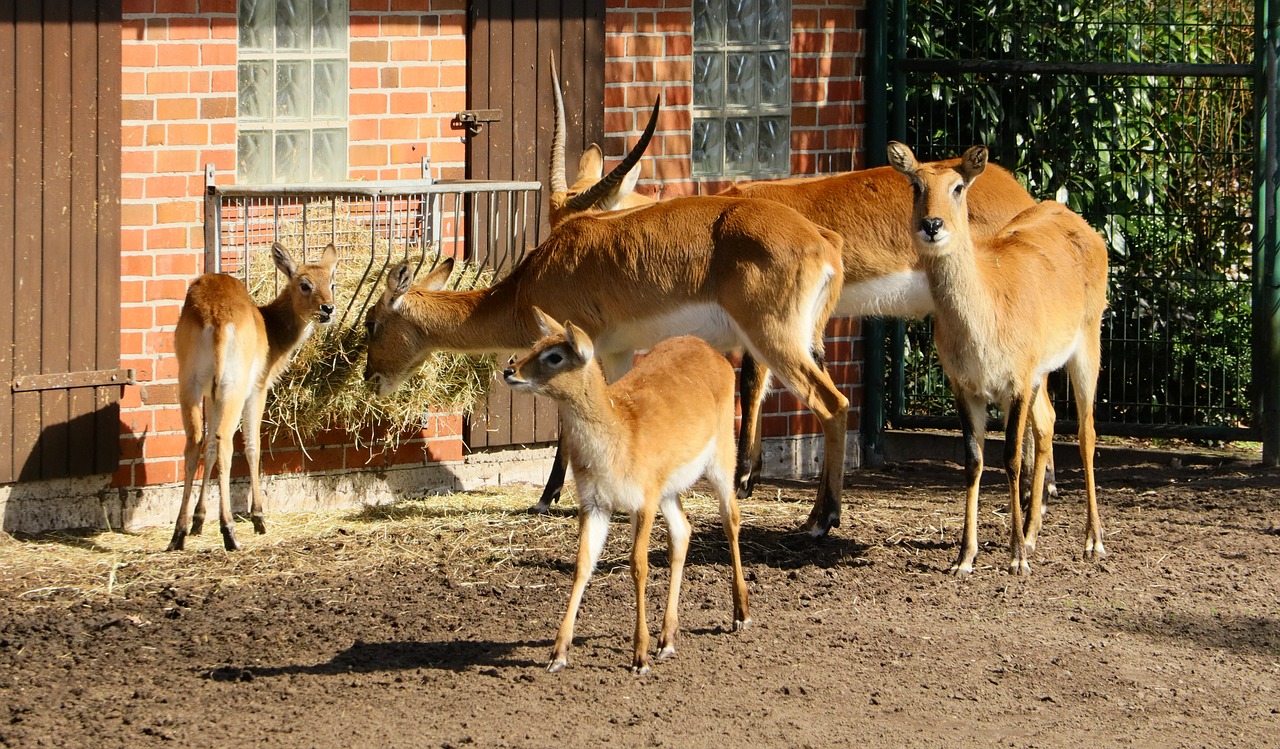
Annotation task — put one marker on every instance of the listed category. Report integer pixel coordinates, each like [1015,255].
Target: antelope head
[397,342]
[940,202]
[562,350]
[592,190]
[311,285]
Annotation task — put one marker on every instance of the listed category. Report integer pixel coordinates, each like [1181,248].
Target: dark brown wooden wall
[59,237]
[510,44]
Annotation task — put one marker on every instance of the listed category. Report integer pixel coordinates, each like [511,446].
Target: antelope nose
[931,225]
[327,309]
[508,373]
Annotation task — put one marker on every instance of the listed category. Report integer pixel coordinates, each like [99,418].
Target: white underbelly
[904,294]
[706,321]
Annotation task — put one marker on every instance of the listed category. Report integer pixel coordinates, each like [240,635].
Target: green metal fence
[1146,118]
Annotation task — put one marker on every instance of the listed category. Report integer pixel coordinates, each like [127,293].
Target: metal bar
[1028,67]
[877,142]
[1266,250]
[212,219]
[1112,429]
[375,189]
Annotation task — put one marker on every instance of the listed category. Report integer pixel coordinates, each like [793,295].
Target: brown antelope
[733,272]
[869,209]
[230,352]
[1009,309]
[634,446]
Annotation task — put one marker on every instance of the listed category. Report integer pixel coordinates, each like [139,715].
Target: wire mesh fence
[1139,117]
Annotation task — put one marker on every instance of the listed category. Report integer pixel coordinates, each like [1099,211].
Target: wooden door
[59,238]
[510,44]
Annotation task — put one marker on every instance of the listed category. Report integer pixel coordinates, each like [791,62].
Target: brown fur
[230,352]
[634,446]
[1009,309]
[761,270]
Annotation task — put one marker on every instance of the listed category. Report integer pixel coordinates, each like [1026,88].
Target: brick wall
[407,78]
[648,51]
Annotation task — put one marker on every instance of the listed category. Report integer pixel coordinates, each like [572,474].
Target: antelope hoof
[640,669]
[197,525]
[229,541]
[178,543]
[541,508]
[557,662]
[259,525]
[746,485]
[1094,549]
[1020,568]
[740,625]
[666,651]
[1051,490]
[961,570]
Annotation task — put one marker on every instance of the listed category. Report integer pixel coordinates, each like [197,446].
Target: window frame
[719,114]
[271,123]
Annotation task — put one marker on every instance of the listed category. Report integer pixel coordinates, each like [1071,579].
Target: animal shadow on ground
[374,657]
[1240,634]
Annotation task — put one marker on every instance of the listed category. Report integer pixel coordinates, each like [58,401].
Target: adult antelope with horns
[732,271]
[869,209]
[1010,309]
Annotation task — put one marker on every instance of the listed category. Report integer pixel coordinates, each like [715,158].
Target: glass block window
[292,80]
[741,88]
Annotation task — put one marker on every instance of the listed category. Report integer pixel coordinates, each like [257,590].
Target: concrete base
[37,507]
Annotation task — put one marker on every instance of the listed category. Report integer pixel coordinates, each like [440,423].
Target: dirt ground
[428,623]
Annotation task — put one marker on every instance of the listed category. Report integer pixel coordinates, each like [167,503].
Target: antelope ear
[591,164]
[330,257]
[399,280]
[284,263]
[437,278]
[578,339]
[973,162]
[901,158]
[546,323]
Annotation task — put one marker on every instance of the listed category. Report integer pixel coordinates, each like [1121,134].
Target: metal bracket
[474,119]
[67,380]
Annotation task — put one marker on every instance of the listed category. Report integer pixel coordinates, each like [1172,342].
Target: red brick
[178,55]
[448,102]
[615,47]
[133,29]
[441,450]
[453,76]
[420,76]
[367,155]
[364,104]
[138,55]
[447,49]
[418,50]
[132,7]
[177,109]
[679,45]
[157,472]
[415,102]
[189,28]
[136,318]
[370,51]
[645,46]
[167,82]
[363,77]
[642,96]
[133,292]
[179,264]
[187,135]
[410,153]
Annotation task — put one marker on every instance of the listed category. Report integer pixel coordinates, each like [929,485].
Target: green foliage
[1161,165]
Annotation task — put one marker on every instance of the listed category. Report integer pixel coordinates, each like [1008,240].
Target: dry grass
[472,537]
[323,389]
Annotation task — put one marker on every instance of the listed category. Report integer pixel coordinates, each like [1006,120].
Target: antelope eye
[958,189]
[306,287]
[552,358]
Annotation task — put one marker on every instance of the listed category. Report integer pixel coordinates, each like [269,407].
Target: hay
[323,389]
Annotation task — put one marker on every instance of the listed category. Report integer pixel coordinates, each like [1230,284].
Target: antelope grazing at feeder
[733,272]
[1010,309]
[634,446]
[230,352]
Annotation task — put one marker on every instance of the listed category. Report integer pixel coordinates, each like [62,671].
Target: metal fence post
[1266,247]
[212,229]
[876,142]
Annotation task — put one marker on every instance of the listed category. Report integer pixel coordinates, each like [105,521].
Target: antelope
[734,272]
[230,352]
[634,446]
[1010,308]
[869,209]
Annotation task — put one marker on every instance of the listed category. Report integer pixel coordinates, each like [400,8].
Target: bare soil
[429,623]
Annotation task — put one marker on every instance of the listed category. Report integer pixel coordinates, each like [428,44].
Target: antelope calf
[734,272]
[230,351]
[1009,309]
[634,446]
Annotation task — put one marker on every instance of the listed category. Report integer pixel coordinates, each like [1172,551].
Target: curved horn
[559,181]
[590,197]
